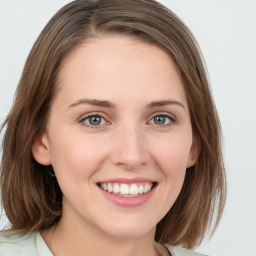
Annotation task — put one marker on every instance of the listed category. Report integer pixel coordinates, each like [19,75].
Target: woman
[113,142]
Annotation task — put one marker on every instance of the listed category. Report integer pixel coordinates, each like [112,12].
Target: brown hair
[31,196]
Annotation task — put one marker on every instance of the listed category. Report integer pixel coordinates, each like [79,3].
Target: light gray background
[226,33]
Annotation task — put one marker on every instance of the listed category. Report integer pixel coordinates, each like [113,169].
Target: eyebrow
[107,104]
[99,103]
[164,103]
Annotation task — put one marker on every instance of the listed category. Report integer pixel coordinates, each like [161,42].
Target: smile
[127,190]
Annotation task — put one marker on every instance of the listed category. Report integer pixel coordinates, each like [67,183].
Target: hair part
[31,196]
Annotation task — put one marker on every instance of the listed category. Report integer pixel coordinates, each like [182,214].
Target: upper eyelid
[162,113]
[172,120]
[84,116]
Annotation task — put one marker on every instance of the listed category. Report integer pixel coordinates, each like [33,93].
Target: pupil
[159,119]
[95,120]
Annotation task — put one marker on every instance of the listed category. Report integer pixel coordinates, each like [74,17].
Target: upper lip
[128,181]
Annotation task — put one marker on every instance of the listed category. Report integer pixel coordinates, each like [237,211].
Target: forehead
[119,66]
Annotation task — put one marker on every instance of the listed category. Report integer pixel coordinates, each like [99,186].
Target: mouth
[127,189]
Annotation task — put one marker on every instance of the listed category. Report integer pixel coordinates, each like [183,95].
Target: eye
[162,120]
[93,120]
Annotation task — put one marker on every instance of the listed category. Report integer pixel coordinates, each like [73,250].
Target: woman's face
[118,136]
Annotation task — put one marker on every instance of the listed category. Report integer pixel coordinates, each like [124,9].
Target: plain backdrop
[225,30]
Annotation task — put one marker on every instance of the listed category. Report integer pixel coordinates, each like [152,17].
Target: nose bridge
[130,146]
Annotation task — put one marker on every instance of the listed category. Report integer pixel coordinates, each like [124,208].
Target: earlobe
[40,149]
[194,152]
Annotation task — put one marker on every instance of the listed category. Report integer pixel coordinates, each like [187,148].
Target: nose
[130,148]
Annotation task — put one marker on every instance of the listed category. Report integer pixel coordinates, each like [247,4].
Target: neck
[70,238]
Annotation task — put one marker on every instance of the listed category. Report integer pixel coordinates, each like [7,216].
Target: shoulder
[12,243]
[178,251]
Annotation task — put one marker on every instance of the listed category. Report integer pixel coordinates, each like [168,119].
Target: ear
[40,149]
[194,152]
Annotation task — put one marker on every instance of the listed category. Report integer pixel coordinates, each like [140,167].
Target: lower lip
[133,201]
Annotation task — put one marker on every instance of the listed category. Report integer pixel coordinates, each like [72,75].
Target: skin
[128,143]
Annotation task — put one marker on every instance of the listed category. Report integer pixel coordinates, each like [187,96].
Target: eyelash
[171,122]
[82,121]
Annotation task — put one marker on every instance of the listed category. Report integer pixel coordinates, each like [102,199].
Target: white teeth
[149,186]
[141,189]
[110,188]
[125,189]
[116,189]
[134,190]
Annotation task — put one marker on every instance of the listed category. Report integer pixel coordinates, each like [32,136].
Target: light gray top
[32,244]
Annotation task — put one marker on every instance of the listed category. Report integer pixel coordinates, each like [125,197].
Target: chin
[128,228]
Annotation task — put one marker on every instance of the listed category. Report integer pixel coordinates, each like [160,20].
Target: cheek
[172,155]
[75,157]
[75,161]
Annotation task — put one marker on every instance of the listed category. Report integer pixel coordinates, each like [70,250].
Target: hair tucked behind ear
[31,195]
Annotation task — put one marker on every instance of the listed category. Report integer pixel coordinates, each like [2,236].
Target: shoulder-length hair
[31,196]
